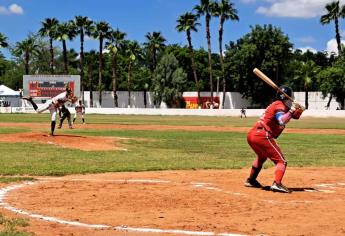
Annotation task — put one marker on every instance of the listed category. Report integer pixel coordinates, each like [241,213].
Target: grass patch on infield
[165,150]
[9,179]
[8,226]
[304,122]
[11,130]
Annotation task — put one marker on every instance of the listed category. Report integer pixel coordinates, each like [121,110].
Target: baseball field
[166,175]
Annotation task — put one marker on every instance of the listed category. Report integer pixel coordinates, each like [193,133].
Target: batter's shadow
[305,189]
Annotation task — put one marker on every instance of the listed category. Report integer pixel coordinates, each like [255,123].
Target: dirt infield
[204,202]
[199,202]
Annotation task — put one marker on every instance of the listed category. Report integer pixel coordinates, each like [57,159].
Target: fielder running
[261,139]
[79,112]
[53,104]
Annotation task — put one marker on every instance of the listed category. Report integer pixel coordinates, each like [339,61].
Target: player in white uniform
[53,105]
[79,111]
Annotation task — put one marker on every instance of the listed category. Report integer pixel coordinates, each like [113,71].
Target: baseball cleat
[253,183]
[279,188]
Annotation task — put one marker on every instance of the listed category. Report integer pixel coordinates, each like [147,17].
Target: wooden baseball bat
[262,76]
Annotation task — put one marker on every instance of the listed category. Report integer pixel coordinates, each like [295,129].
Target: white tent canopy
[6,91]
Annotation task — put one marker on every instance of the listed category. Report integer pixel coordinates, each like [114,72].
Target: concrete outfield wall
[205,112]
[233,100]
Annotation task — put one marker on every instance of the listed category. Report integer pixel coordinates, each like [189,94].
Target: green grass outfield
[166,150]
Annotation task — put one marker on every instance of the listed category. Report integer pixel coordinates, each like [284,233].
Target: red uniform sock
[279,173]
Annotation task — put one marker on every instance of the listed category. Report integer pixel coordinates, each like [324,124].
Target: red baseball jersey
[269,121]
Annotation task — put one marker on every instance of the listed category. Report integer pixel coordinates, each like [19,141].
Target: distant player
[63,114]
[243,112]
[79,112]
[261,139]
[53,104]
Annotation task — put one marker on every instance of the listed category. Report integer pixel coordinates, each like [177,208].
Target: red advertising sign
[48,89]
[192,102]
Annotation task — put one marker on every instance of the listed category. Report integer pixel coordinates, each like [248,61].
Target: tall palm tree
[65,31]
[132,53]
[306,73]
[334,12]
[84,27]
[24,50]
[49,29]
[225,11]
[188,22]
[91,63]
[155,43]
[206,7]
[116,41]
[101,32]
[3,41]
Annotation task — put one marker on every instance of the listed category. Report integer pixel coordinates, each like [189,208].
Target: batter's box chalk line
[4,191]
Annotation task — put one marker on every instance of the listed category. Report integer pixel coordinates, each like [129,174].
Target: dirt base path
[203,202]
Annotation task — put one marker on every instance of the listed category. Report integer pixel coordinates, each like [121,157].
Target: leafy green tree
[91,62]
[84,26]
[168,81]
[49,29]
[132,52]
[188,23]
[265,47]
[306,74]
[115,42]
[3,41]
[332,82]
[225,11]
[207,8]
[155,43]
[334,12]
[101,32]
[24,50]
[65,31]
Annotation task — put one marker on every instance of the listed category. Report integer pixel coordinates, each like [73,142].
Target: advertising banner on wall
[192,102]
[47,86]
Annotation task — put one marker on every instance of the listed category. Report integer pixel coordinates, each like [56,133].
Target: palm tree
[306,74]
[101,32]
[65,31]
[48,29]
[188,23]
[132,53]
[114,45]
[155,43]
[84,27]
[3,41]
[206,8]
[334,12]
[91,63]
[226,11]
[24,50]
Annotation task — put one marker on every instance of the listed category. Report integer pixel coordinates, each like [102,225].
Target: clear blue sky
[299,19]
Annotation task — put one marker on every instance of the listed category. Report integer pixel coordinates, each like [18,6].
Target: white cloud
[304,49]
[12,9]
[16,9]
[332,46]
[294,8]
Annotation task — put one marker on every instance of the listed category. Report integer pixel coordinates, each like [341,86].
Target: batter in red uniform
[261,139]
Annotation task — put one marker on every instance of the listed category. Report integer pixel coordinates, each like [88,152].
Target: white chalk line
[6,190]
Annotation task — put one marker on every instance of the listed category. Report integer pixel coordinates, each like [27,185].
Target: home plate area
[203,202]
